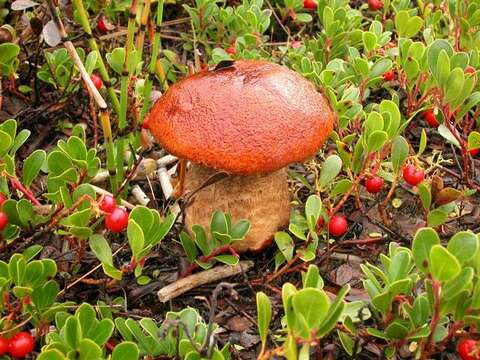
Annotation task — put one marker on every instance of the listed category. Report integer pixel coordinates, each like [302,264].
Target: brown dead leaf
[447,195]
[238,323]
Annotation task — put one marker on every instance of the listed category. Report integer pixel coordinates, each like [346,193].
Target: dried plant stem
[185,284]
[78,5]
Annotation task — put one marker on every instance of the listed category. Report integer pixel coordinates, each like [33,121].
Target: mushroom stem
[264,200]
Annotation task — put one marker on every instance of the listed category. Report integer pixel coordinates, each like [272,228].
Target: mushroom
[249,119]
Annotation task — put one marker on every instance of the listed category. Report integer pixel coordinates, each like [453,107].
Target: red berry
[21,345]
[374,184]
[97,81]
[102,25]
[389,75]
[2,199]
[338,225]
[117,220]
[231,50]
[430,118]
[375,5]
[467,349]
[108,204]
[412,175]
[3,346]
[310,4]
[3,220]
[474,152]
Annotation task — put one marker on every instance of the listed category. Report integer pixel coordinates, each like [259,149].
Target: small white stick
[165,183]
[140,195]
[146,168]
[190,282]
[166,160]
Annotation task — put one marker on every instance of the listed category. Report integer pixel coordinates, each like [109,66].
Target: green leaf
[227,259]
[103,331]
[16,268]
[312,278]
[380,67]
[72,332]
[374,122]
[285,244]
[312,304]
[397,330]
[331,168]
[20,139]
[264,316]
[334,312]
[447,135]
[474,140]
[376,141]
[422,244]
[414,25]
[399,266]
[420,311]
[313,209]
[455,286]
[111,271]
[423,142]
[240,230]
[369,41]
[5,142]
[51,354]
[303,17]
[219,223]
[135,237]
[89,350]
[188,246]
[463,245]
[454,85]
[348,343]
[126,351]
[101,249]
[442,70]
[436,217]
[425,195]
[32,166]
[444,266]
[399,152]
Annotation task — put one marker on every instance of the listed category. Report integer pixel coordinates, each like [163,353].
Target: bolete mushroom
[250,119]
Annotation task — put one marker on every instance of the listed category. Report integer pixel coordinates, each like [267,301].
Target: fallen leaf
[50,34]
[20,5]
[238,323]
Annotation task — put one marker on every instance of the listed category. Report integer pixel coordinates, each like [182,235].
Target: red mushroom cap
[249,118]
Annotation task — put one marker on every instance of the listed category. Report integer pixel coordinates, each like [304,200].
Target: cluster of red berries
[468,349]
[117,218]
[19,346]
[3,216]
